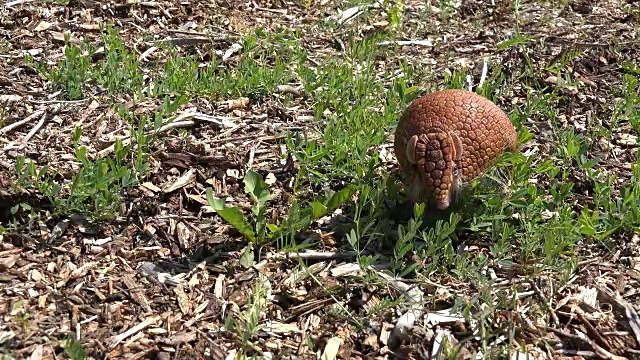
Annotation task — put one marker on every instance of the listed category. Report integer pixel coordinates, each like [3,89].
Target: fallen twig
[407,42]
[584,338]
[39,124]
[622,304]
[45,102]
[21,122]
[583,353]
[546,301]
[141,326]
[593,332]
[172,124]
[289,89]
[416,309]
[599,349]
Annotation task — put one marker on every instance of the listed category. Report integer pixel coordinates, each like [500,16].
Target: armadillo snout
[442,203]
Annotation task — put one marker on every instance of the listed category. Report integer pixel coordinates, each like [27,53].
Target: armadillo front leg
[434,154]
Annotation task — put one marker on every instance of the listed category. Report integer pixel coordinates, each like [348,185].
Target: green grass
[529,208]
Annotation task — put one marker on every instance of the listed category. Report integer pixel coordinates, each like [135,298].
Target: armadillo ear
[457,145]
[411,149]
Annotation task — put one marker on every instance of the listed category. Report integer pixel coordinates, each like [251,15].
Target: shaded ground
[166,278]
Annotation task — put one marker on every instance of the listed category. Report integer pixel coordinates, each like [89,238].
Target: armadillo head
[434,157]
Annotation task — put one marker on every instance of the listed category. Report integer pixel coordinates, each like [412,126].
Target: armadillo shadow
[468,204]
[402,211]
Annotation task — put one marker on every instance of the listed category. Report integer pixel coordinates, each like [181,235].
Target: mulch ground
[163,279]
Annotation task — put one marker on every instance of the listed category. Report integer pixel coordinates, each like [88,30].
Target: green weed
[119,71]
[257,228]
[75,350]
[246,324]
[97,187]
[628,109]
[70,74]
[116,69]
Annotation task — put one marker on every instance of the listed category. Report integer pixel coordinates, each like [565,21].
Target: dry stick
[631,314]
[469,82]
[616,333]
[134,330]
[183,41]
[321,305]
[599,349]
[9,98]
[588,261]
[247,342]
[227,132]
[289,89]
[582,337]
[10,252]
[484,73]
[559,332]
[337,303]
[177,122]
[277,11]
[252,152]
[323,255]
[21,122]
[552,312]
[586,45]
[44,102]
[583,353]
[426,43]
[100,345]
[175,125]
[156,5]
[16,2]
[201,34]
[319,255]
[593,332]
[303,336]
[35,128]
[407,320]
[205,336]
[245,137]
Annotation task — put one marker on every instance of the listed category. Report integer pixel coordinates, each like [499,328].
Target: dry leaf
[60,37]
[381,24]
[239,103]
[150,186]
[7,262]
[9,98]
[551,80]
[282,328]
[589,296]
[627,139]
[43,25]
[37,353]
[232,50]
[219,286]
[180,182]
[270,179]
[331,349]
